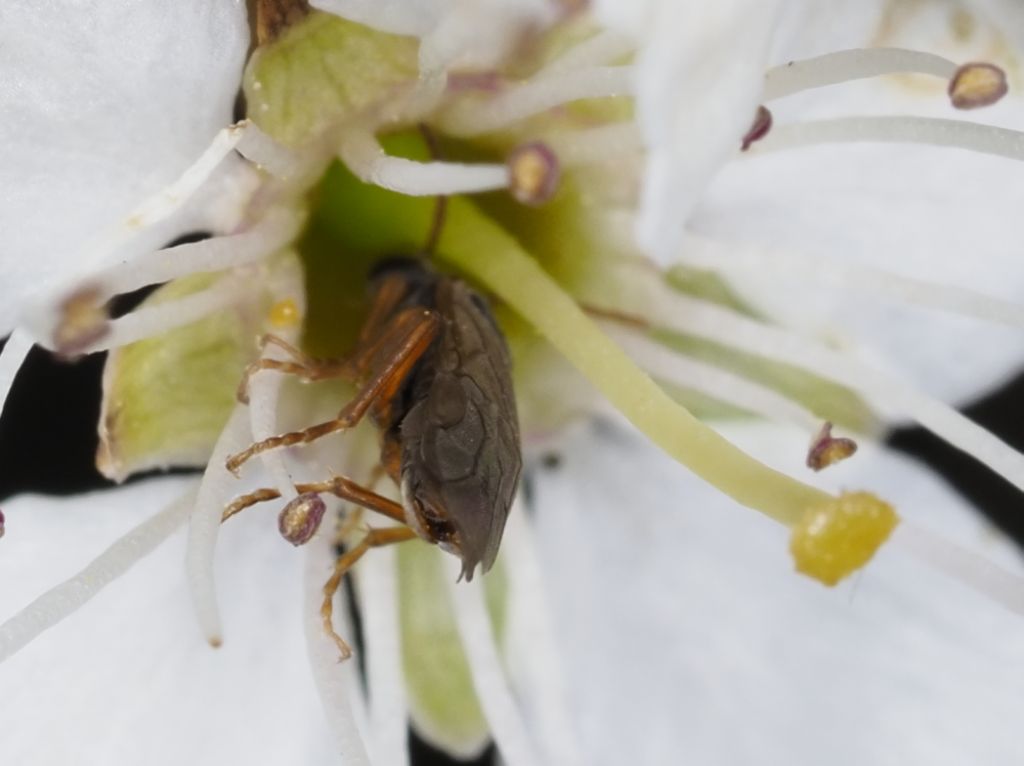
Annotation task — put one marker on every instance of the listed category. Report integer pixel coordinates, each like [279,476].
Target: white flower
[683,632]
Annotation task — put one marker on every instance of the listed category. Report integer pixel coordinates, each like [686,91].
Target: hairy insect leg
[375,538]
[304,366]
[391,358]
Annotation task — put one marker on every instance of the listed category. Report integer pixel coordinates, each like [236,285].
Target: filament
[64,599]
[710,255]
[273,232]
[662,362]
[956,134]
[476,117]
[855,64]
[204,524]
[489,679]
[12,357]
[663,307]
[365,157]
[377,585]
[530,623]
[335,682]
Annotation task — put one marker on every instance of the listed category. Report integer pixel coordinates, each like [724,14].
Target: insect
[434,376]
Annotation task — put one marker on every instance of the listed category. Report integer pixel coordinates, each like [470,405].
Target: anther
[534,173]
[759,129]
[300,519]
[284,314]
[2,524]
[83,321]
[976,84]
[826,450]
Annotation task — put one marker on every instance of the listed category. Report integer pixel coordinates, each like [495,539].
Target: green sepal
[323,71]
[166,398]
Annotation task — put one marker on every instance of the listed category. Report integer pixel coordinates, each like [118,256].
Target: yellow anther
[837,538]
[284,314]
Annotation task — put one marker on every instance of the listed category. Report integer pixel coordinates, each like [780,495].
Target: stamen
[335,681]
[735,258]
[377,584]
[759,129]
[149,321]
[64,599]
[264,388]
[661,362]
[174,196]
[664,307]
[365,157]
[83,322]
[603,48]
[276,229]
[827,450]
[961,565]
[530,623]
[856,64]
[606,143]
[269,155]
[507,726]
[12,357]
[3,524]
[956,134]
[534,173]
[473,118]
[204,525]
[300,519]
[976,84]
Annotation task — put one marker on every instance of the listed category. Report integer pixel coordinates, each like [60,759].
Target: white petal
[102,104]
[699,78]
[129,678]
[689,639]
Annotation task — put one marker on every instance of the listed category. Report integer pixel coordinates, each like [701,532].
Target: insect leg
[303,365]
[339,486]
[375,538]
[405,341]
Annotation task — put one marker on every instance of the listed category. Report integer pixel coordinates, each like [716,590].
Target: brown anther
[83,321]
[274,17]
[977,84]
[300,519]
[2,522]
[534,173]
[759,128]
[828,450]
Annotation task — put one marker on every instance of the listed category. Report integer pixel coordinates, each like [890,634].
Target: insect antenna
[440,204]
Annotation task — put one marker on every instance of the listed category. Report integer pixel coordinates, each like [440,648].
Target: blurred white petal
[102,104]
[129,678]
[688,637]
[699,76]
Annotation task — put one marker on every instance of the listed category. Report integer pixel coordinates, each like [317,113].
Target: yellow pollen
[284,314]
[837,538]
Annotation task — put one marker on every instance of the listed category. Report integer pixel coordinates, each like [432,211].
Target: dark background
[48,441]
